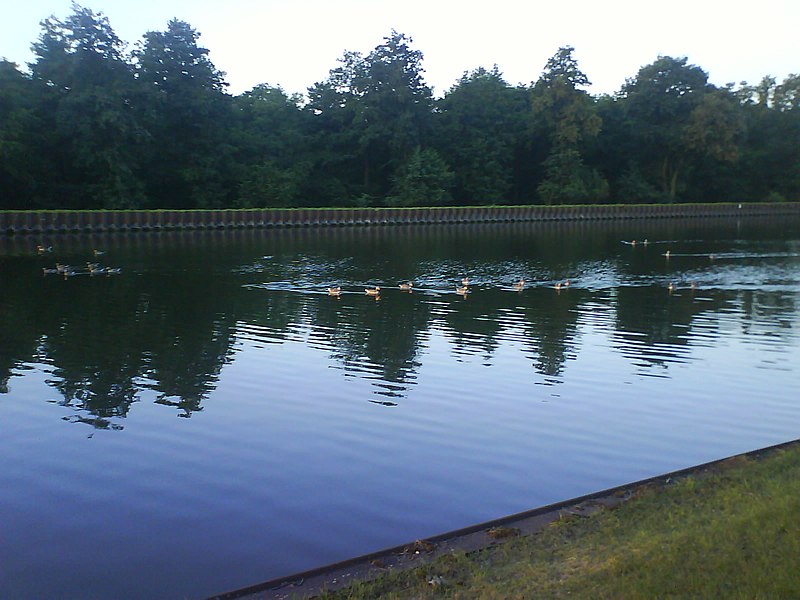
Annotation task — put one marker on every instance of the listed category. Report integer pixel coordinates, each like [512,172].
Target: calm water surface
[211,417]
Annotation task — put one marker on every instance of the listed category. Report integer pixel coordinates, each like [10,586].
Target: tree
[565,114]
[659,102]
[398,103]
[424,180]
[23,140]
[760,94]
[566,110]
[770,156]
[336,125]
[569,180]
[174,63]
[477,127]
[272,148]
[715,126]
[379,110]
[81,50]
[787,95]
[190,119]
[95,133]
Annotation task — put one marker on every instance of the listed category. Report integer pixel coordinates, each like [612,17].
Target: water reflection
[188,303]
[104,340]
[323,427]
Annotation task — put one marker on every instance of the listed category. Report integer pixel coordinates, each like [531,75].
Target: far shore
[22,222]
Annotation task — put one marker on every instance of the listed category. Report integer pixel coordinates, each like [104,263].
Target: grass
[732,533]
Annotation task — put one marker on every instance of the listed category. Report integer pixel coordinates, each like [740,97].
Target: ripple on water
[318,428]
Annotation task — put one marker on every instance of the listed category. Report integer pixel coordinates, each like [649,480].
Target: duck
[666,254]
[465,281]
[42,249]
[98,252]
[406,286]
[671,287]
[561,284]
[46,271]
[105,271]
[519,285]
[462,290]
[335,291]
[376,291]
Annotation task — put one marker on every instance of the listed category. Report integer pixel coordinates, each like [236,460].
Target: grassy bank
[730,533]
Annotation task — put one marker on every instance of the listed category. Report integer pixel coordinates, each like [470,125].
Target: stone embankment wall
[22,222]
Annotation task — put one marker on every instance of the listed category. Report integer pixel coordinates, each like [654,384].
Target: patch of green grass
[734,533]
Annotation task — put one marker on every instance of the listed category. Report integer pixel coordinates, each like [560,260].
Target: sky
[295,43]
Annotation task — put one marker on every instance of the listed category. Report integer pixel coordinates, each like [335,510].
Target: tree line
[92,125]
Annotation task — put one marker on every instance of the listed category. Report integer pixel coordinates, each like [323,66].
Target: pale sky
[295,43]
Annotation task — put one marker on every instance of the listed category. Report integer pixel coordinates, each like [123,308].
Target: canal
[196,412]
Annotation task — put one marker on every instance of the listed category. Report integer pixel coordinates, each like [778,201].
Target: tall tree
[659,102]
[397,101]
[337,124]
[191,115]
[95,131]
[566,115]
[385,106]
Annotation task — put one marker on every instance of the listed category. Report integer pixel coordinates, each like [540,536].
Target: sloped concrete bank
[25,222]
[308,584]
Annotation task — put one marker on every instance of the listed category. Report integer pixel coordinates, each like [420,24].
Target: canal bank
[449,559]
[55,221]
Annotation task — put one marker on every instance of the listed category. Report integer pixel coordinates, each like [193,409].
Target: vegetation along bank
[92,124]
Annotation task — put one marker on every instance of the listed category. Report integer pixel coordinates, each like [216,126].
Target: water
[210,417]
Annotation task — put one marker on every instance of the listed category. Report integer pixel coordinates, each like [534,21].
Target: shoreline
[93,221]
[371,566]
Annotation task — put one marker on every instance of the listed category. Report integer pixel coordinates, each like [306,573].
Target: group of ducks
[711,257]
[92,268]
[671,287]
[461,289]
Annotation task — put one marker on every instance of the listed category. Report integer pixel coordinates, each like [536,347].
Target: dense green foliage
[91,125]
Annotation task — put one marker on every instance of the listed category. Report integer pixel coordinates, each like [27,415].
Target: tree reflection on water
[186,302]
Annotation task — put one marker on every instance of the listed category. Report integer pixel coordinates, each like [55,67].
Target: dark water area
[210,417]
